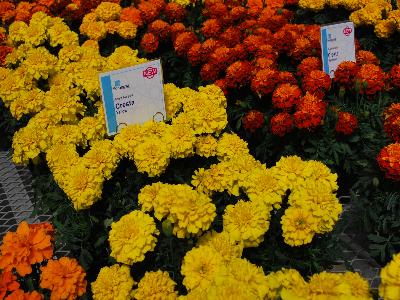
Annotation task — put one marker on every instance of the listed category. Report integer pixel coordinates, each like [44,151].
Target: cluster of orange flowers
[253,120]
[4,49]
[31,244]
[347,123]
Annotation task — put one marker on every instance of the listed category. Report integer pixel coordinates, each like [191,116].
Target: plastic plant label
[337,45]
[133,95]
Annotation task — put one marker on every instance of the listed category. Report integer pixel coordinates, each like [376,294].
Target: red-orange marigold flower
[264,63]
[316,82]
[184,41]
[238,74]
[221,83]
[264,81]
[391,123]
[148,11]
[209,72]
[238,12]
[21,295]
[287,77]
[253,120]
[176,29]
[65,278]
[174,12]
[222,57]
[248,25]
[345,74]
[217,11]
[131,14]
[281,124]
[389,161]
[149,42]
[370,79]
[253,42]
[366,57]
[8,283]
[302,48]
[265,33]
[239,52]
[310,112]
[159,4]
[347,123]
[195,56]
[7,11]
[4,51]
[231,36]
[211,28]
[267,51]
[286,96]
[394,76]
[25,247]
[208,47]
[309,64]
[160,28]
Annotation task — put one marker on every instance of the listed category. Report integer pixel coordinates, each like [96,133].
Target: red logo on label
[150,72]
[347,31]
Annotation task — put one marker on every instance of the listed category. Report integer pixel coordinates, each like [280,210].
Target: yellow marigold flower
[180,138]
[28,143]
[60,156]
[155,129]
[247,222]
[92,128]
[204,182]
[191,213]
[215,93]
[122,57]
[183,3]
[94,30]
[128,139]
[315,170]
[389,289]
[102,157]
[112,26]
[107,11]
[65,134]
[298,226]
[359,286]
[60,34]
[147,196]
[35,34]
[206,145]
[231,145]
[113,282]
[290,170]
[329,286]
[251,275]
[88,80]
[223,244]
[28,102]
[228,289]
[166,195]
[199,267]
[283,279]
[385,28]
[394,16]
[39,63]
[156,285]
[132,236]
[173,103]
[152,157]
[127,30]
[16,32]
[83,186]
[315,5]
[41,18]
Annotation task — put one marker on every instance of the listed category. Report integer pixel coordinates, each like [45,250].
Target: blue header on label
[108,99]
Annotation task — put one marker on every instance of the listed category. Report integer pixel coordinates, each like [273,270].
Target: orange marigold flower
[253,42]
[211,28]
[23,12]
[222,84]
[131,14]
[159,4]
[264,81]
[287,77]
[310,112]
[42,8]
[65,278]
[391,123]
[209,72]
[176,29]
[216,11]
[366,57]
[25,247]
[160,28]
[264,63]
[291,2]
[281,124]
[316,82]
[238,74]
[267,51]
[21,295]
[7,11]
[174,12]
[253,120]
[231,36]
[389,161]
[239,52]
[208,47]
[148,11]
[265,33]
[347,123]
[248,25]
[8,283]
[302,48]
[394,76]
[286,96]
[370,79]
[184,41]
[195,56]
[4,51]
[46,226]
[222,57]
[149,42]
[309,64]
[345,73]
[238,12]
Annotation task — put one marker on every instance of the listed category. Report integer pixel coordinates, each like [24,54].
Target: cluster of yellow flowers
[377,13]
[214,269]
[389,288]
[106,19]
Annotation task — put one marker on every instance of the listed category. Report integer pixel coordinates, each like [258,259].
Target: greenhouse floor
[16,204]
